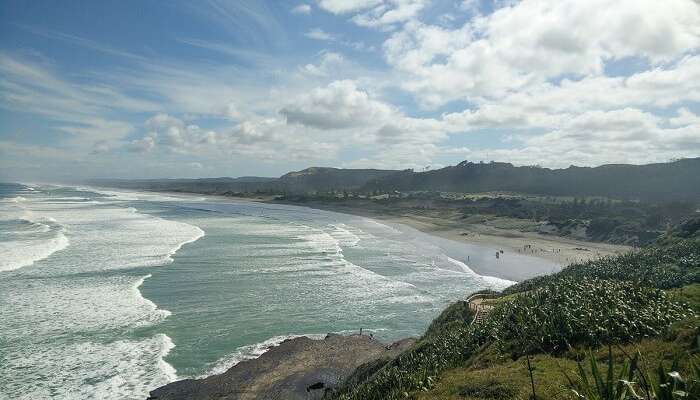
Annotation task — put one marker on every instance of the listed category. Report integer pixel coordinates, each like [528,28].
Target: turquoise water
[111,294]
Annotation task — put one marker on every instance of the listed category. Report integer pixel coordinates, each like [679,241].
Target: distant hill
[329,179]
[314,179]
[678,180]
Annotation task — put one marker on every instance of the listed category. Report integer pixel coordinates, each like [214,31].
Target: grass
[492,367]
[471,382]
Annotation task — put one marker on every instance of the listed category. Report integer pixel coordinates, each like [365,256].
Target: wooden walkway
[480,306]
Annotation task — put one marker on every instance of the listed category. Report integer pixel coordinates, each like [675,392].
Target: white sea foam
[55,360]
[376,224]
[326,244]
[78,305]
[16,199]
[122,369]
[156,314]
[29,238]
[63,322]
[342,233]
[18,254]
[117,237]
[491,281]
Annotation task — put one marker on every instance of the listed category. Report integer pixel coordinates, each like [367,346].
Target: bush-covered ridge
[548,319]
[613,300]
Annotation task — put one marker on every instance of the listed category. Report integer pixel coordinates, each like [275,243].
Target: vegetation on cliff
[624,327]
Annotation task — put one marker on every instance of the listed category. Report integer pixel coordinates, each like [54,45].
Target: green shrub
[633,381]
[491,390]
[590,312]
[455,315]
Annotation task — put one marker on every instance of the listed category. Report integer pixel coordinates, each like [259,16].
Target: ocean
[109,294]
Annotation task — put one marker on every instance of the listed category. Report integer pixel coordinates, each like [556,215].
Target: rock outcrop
[299,368]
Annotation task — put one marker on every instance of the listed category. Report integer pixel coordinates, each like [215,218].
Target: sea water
[110,294]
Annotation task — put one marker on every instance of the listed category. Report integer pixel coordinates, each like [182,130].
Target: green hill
[678,180]
[310,180]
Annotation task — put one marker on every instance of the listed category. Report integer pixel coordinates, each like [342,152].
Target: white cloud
[302,9]
[686,118]
[347,6]
[347,115]
[339,105]
[390,14]
[319,34]
[546,104]
[32,86]
[469,5]
[329,64]
[532,76]
[384,14]
[258,138]
[163,121]
[84,112]
[598,137]
[534,41]
[174,135]
[143,145]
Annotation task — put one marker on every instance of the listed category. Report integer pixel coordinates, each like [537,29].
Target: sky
[148,89]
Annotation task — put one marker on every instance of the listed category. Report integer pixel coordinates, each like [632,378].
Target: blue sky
[231,88]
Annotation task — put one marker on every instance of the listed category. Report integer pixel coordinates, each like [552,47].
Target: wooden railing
[480,309]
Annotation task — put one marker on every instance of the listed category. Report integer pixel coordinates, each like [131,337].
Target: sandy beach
[554,248]
[448,225]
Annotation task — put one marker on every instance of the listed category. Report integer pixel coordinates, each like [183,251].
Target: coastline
[297,369]
[446,224]
[557,249]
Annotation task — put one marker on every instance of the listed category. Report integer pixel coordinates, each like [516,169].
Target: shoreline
[300,369]
[556,249]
